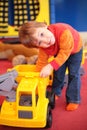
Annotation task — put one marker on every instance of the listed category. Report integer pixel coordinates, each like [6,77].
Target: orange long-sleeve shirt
[67,42]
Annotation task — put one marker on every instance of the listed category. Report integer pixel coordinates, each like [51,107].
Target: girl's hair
[27,30]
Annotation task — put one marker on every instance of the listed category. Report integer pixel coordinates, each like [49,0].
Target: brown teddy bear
[18,53]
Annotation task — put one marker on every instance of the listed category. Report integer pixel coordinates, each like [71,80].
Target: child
[64,43]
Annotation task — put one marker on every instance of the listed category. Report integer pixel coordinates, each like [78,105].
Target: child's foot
[72,106]
[56,97]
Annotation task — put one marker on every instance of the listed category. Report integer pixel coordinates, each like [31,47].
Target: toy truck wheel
[49,117]
[51,97]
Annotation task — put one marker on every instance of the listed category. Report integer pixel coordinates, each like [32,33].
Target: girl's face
[44,38]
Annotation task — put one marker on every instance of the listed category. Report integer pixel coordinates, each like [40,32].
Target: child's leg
[58,81]
[74,83]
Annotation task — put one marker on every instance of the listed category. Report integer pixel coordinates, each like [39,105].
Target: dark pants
[74,84]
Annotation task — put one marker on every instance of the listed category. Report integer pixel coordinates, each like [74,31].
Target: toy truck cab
[31,108]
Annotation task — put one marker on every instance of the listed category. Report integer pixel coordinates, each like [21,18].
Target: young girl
[64,43]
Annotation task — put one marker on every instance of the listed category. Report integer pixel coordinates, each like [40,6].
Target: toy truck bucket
[24,69]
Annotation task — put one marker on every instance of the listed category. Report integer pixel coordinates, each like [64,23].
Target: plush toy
[18,53]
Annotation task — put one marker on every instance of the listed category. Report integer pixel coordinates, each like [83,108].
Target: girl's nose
[44,39]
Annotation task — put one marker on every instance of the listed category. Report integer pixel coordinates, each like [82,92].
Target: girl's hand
[46,71]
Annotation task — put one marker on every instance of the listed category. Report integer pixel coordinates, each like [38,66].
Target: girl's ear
[46,26]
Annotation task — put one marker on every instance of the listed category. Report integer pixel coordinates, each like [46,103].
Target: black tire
[49,117]
[51,97]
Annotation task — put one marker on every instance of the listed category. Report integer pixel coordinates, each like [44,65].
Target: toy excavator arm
[7,83]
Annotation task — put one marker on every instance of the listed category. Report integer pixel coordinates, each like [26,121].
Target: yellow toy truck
[30,104]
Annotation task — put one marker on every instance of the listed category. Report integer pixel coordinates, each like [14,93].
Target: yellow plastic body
[25,114]
[84,56]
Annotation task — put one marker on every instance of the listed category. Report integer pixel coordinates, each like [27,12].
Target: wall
[72,12]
